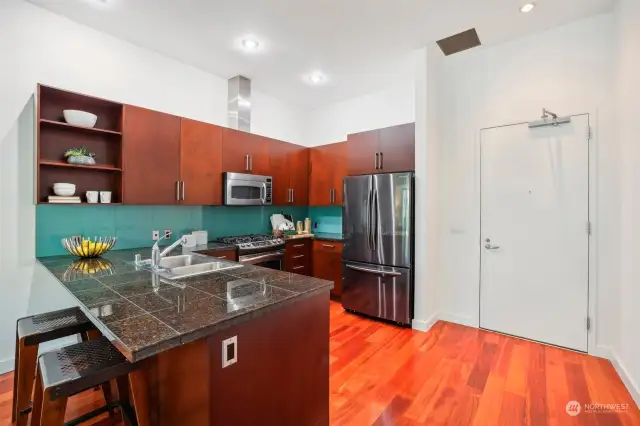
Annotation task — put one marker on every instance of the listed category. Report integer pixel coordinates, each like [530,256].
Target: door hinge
[588,323]
[589,134]
[589,228]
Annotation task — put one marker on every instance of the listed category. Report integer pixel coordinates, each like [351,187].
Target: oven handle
[251,258]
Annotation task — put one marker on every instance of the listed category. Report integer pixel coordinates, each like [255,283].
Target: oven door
[271,260]
[240,191]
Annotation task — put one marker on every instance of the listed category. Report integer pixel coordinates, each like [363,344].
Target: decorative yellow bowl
[86,248]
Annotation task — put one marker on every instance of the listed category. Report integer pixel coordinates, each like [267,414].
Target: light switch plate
[229,351]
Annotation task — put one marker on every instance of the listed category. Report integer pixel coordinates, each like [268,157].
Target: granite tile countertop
[143,314]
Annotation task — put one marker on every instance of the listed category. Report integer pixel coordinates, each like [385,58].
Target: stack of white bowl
[64,189]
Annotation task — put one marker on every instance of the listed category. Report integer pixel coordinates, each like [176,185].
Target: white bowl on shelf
[79,118]
[64,189]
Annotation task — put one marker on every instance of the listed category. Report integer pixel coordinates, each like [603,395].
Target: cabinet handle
[328,246]
[376,162]
[246,162]
[298,256]
[297,267]
[183,185]
[177,190]
[251,163]
[298,245]
[292,198]
[331,196]
[221,257]
[381,161]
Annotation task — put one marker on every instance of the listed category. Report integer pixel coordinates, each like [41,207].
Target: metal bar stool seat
[74,369]
[30,332]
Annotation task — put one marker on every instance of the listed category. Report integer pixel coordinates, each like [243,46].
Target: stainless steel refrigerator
[378,253]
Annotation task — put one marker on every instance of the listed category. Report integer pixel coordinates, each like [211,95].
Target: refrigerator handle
[369,209]
[375,222]
[373,271]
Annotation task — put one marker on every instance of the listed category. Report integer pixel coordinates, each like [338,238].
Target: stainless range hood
[239,104]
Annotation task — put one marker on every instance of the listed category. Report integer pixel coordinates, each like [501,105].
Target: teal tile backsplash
[133,224]
[326,219]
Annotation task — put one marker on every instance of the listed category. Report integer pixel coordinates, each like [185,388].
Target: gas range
[262,250]
[254,243]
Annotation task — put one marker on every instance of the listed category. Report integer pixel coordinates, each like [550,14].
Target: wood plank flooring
[452,375]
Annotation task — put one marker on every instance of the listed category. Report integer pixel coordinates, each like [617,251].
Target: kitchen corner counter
[143,314]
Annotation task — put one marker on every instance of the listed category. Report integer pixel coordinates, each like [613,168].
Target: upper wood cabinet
[200,163]
[244,152]
[397,148]
[151,152]
[328,165]
[387,150]
[289,164]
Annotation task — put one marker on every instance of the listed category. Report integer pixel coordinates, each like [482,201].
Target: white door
[534,236]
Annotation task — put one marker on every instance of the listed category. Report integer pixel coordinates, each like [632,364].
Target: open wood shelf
[101,167]
[55,137]
[82,128]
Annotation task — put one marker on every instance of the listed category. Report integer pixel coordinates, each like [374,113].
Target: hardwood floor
[452,375]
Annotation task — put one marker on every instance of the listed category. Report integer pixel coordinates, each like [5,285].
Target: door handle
[490,247]
[183,190]
[177,190]
[246,162]
[376,162]
[263,189]
[292,196]
[251,163]
[331,196]
[373,271]
[381,161]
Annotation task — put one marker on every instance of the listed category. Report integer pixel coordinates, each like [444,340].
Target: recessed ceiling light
[317,77]
[527,7]
[250,44]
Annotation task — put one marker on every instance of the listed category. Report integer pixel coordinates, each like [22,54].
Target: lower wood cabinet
[297,256]
[227,254]
[327,263]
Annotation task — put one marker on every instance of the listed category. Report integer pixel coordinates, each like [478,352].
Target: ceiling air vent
[459,42]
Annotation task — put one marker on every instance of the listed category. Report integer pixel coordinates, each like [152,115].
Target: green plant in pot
[80,156]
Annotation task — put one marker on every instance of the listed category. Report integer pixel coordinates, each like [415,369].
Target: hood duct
[239,104]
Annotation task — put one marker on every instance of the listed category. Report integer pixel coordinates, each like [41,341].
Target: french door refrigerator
[378,251]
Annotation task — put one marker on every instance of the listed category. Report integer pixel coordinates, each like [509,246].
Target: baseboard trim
[424,325]
[7,365]
[631,385]
[458,319]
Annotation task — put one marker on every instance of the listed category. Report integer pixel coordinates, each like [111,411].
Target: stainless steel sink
[189,265]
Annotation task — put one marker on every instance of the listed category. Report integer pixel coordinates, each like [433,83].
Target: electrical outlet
[155,235]
[167,233]
[229,351]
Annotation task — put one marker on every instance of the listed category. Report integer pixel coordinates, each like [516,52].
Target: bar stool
[74,369]
[30,332]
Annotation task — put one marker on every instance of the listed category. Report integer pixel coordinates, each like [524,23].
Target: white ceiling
[361,45]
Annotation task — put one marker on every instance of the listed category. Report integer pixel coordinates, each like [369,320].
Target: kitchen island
[175,330]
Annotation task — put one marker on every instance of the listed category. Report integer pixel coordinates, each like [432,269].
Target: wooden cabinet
[200,163]
[397,149]
[244,152]
[151,152]
[297,256]
[289,165]
[387,150]
[227,254]
[328,164]
[327,263]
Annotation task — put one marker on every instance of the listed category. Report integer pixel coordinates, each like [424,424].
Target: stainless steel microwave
[247,190]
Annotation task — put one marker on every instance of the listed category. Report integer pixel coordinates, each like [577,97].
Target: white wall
[37,46]
[384,108]
[627,349]
[568,70]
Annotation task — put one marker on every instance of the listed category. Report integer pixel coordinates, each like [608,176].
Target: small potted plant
[80,156]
